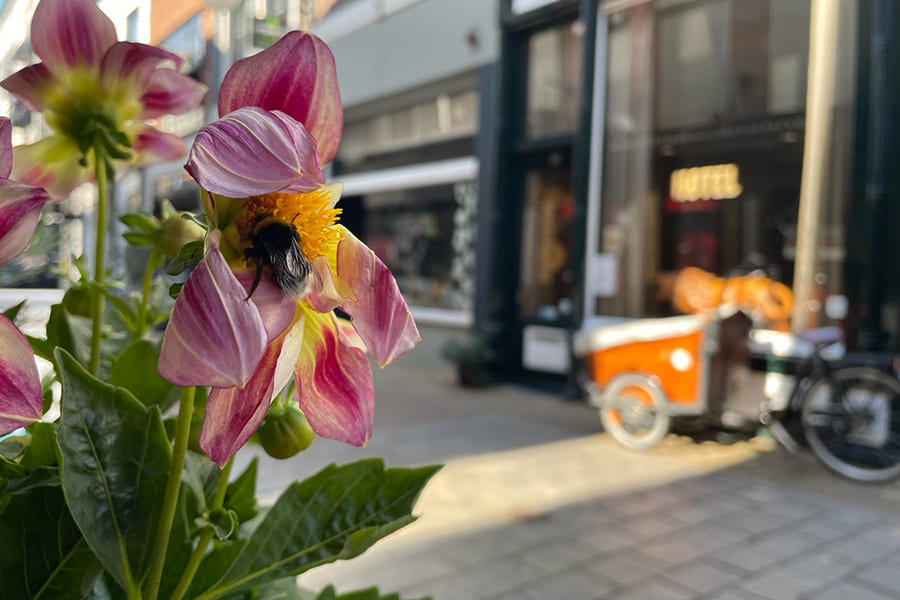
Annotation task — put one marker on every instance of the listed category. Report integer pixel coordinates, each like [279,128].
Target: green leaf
[366,594]
[12,312]
[128,314]
[41,348]
[336,514]
[10,469]
[43,556]
[59,330]
[241,493]
[140,240]
[140,222]
[175,289]
[189,255]
[41,451]
[114,464]
[135,370]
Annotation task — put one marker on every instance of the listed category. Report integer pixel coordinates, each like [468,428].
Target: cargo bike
[730,369]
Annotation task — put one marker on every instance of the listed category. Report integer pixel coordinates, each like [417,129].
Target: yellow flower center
[311,213]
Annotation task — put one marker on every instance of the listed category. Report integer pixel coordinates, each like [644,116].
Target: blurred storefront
[639,137]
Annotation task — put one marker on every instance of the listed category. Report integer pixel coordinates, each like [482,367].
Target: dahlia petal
[323,295]
[152,145]
[275,307]
[233,414]
[215,336]
[334,382]
[168,92]
[290,352]
[65,33]
[30,85]
[20,210]
[136,63]
[295,75]
[378,312]
[20,384]
[6,152]
[253,151]
[51,164]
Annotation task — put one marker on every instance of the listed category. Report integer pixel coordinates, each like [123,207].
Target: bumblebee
[276,244]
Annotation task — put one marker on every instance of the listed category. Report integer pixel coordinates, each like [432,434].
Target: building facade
[639,137]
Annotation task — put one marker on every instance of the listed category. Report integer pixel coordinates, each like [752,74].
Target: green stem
[145,291]
[97,298]
[205,538]
[170,498]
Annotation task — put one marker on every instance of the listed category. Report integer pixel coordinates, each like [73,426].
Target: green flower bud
[285,431]
[77,301]
[176,231]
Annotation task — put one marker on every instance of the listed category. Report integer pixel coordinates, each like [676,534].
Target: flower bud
[176,231]
[77,301]
[285,431]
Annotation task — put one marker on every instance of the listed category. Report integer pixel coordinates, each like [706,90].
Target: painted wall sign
[712,182]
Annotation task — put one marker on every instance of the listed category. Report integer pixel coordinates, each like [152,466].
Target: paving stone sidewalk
[535,504]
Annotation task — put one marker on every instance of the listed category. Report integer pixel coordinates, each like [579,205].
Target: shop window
[554,80]
[426,237]
[545,285]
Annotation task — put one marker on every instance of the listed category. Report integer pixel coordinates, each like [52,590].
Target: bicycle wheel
[852,423]
[633,411]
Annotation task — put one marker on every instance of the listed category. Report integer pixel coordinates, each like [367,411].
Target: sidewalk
[536,504]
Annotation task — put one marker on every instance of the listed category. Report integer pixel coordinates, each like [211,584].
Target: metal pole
[872,335]
[823,29]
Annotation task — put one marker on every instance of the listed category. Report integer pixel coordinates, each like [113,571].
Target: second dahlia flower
[95,91]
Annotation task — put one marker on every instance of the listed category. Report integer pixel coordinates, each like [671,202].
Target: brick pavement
[535,504]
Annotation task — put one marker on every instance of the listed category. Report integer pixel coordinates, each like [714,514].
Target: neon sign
[712,182]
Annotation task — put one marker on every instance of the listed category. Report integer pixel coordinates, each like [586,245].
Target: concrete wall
[428,41]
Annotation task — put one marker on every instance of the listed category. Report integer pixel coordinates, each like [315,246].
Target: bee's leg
[259,269]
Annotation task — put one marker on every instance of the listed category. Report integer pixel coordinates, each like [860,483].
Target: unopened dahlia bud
[176,231]
[285,432]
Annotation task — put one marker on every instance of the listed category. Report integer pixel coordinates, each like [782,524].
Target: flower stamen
[311,213]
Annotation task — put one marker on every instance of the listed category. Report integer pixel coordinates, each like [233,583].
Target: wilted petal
[168,92]
[20,385]
[50,163]
[6,152]
[233,414]
[20,210]
[65,33]
[30,85]
[216,336]
[252,151]
[379,313]
[153,145]
[295,75]
[275,307]
[334,382]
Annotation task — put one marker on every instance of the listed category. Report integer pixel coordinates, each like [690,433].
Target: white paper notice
[603,275]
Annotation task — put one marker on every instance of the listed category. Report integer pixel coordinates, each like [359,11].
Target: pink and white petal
[6,152]
[275,307]
[295,75]
[50,163]
[216,336]
[30,85]
[378,312]
[152,145]
[135,63]
[66,33]
[254,151]
[20,384]
[323,295]
[168,92]
[20,211]
[233,414]
[290,352]
[334,382]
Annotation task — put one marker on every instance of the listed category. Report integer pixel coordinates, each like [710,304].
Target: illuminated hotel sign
[713,182]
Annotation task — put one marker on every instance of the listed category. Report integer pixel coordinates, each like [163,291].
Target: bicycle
[848,407]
